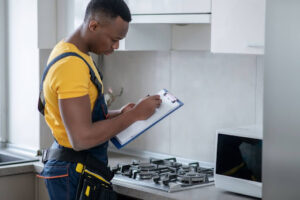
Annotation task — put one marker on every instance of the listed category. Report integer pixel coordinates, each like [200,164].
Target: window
[2,72]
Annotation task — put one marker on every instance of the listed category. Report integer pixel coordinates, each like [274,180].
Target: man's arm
[83,134]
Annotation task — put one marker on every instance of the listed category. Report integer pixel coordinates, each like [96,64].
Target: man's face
[105,37]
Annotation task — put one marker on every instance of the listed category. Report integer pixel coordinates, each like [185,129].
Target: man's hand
[146,107]
[127,108]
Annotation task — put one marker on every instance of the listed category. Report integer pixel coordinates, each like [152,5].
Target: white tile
[218,91]
[140,73]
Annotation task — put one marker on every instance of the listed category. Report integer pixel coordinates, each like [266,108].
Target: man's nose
[115,45]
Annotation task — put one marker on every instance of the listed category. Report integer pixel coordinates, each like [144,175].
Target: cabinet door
[238,26]
[169,6]
[19,186]
[147,37]
[41,190]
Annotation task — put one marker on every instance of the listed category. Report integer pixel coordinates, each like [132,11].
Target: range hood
[170,11]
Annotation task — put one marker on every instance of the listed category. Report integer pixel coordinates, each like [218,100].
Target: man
[75,110]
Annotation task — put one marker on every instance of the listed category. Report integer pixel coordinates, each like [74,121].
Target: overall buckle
[45,155]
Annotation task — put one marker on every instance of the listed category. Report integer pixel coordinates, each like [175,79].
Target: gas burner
[169,177]
[185,168]
[192,178]
[146,174]
[165,174]
[208,171]
[174,164]
[171,163]
[146,166]
[194,166]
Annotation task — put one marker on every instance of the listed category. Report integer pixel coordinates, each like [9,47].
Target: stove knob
[156,179]
[206,178]
[115,169]
[125,168]
[134,173]
[165,182]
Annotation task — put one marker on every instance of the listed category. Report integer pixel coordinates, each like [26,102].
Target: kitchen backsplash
[218,90]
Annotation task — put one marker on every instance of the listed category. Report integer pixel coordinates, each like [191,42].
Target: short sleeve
[71,78]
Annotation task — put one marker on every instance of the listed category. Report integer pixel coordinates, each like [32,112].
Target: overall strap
[41,102]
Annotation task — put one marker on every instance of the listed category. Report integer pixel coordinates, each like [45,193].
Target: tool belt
[94,183]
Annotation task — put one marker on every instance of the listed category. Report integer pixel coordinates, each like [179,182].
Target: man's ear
[93,25]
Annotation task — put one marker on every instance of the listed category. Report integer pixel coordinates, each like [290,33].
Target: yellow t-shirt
[67,78]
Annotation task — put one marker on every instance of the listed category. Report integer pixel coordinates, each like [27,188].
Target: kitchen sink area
[8,158]
[17,173]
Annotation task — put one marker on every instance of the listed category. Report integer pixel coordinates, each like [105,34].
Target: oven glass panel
[239,157]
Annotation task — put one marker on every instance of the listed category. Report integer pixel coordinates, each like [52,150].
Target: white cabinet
[153,23]
[231,26]
[20,186]
[238,26]
[170,11]
[165,37]
[169,6]
[147,37]
[40,189]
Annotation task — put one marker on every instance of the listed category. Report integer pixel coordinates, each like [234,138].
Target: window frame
[3,72]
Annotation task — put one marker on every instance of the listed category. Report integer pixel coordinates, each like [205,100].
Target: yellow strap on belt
[87,191]
[97,176]
[79,167]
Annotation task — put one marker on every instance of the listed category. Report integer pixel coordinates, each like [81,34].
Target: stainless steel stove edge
[147,184]
[148,154]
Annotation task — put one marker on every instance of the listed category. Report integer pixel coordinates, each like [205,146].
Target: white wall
[23,73]
[2,72]
[65,18]
[219,91]
[46,138]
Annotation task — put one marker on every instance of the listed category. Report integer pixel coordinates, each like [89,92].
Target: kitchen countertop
[202,193]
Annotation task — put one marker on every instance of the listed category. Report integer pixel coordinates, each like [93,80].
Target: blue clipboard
[118,145]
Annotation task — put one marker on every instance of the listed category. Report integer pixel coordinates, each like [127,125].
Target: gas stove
[164,174]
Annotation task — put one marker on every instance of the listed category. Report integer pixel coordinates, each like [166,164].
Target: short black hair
[110,8]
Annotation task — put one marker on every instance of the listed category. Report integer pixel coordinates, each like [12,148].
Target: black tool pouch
[93,186]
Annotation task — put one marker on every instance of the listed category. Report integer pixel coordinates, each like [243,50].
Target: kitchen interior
[232,63]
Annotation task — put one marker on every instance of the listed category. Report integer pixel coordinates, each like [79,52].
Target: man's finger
[155,97]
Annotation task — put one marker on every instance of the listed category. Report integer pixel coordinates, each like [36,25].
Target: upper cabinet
[140,7]
[219,26]
[238,26]
[168,25]
[170,11]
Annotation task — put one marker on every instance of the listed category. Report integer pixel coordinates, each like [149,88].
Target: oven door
[239,164]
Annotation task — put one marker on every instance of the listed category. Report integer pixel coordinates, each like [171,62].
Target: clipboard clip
[170,97]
